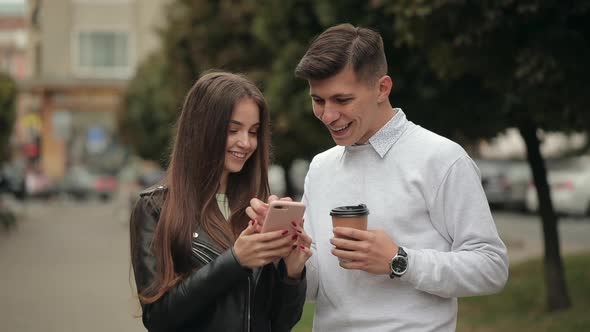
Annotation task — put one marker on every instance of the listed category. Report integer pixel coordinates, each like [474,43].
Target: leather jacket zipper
[248,301]
[252,292]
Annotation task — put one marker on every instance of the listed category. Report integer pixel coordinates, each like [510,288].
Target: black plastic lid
[350,211]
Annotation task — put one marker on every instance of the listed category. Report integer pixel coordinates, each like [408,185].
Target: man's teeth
[342,128]
[237,154]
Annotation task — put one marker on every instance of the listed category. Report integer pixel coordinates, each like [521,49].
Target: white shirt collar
[386,137]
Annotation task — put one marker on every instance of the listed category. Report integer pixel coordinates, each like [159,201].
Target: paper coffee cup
[353,216]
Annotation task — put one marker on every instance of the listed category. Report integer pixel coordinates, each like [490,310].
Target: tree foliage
[7,113]
[205,34]
[529,59]
[149,110]
[530,55]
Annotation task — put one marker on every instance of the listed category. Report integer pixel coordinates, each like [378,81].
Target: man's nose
[330,114]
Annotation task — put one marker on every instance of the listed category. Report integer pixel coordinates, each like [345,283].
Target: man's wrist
[399,264]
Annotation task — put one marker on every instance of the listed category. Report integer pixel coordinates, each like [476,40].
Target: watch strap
[400,252]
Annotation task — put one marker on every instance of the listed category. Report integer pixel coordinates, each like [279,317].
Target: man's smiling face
[348,107]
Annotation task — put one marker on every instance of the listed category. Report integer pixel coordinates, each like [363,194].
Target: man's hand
[370,251]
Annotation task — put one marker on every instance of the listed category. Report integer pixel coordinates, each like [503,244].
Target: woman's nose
[244,141]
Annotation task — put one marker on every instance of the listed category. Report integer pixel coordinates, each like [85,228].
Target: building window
[104,53]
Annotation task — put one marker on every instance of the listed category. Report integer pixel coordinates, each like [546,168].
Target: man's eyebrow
[338,95]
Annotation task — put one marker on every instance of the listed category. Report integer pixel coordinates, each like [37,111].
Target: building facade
[13,40]
[80,56]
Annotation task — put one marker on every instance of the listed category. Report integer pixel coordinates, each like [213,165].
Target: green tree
[287,28]
[7,114]
[209,34]
[235,36]
[149,109]
[198,35]
[526,58]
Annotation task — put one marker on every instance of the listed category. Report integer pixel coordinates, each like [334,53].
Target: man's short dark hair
[340,46]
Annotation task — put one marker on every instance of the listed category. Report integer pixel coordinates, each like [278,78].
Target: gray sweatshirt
[425,192]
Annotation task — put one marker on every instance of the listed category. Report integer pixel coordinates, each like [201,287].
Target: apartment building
[80,56]
[12,39]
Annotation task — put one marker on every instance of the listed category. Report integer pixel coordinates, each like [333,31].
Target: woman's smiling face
[242,135]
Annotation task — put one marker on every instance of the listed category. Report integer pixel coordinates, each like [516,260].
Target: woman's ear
[385,85]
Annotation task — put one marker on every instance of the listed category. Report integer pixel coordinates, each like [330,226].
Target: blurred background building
[13,39]
[79,56]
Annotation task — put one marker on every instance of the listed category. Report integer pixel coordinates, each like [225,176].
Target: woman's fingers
[257,209]
[251,229]
[303,237]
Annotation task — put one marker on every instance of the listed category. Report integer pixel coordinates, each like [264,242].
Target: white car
[569,183]
[276,180]
[505,182]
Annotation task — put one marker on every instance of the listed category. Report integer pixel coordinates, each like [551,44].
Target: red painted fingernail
[293,223]
[302,246]
[294,246]
[300,232]
[285,232]
[294,237]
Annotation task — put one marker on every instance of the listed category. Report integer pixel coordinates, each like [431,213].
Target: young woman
[200,264]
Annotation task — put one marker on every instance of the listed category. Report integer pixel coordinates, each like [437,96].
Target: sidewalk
[523,235]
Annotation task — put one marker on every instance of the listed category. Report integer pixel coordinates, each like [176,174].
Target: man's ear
[385,84]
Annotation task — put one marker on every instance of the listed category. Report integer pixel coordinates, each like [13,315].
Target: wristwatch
[398,264]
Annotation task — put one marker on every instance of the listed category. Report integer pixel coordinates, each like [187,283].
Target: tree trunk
[557,294]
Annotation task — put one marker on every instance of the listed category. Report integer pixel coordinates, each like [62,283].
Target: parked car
[137,175]
[12,181]
[505,182]
[276,180]
[38,184]
[569,183]
[81,183]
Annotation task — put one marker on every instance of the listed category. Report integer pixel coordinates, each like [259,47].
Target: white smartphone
[281,214]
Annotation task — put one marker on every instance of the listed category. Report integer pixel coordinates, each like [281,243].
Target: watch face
[399,265]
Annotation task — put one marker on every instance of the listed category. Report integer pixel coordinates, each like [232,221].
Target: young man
[431,236]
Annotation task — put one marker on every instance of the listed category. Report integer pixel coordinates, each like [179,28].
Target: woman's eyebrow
[241,124]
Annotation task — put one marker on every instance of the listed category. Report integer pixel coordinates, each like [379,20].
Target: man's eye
[343,101]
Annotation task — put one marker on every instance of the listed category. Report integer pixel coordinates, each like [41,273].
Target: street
[66,266]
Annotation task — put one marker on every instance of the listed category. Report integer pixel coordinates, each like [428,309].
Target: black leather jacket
[220,294]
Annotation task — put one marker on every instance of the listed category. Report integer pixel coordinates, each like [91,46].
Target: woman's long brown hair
[194,174]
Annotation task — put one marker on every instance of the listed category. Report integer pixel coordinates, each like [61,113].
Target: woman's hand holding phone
[258,209]
[254,249]
[295,261]
[301,252]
